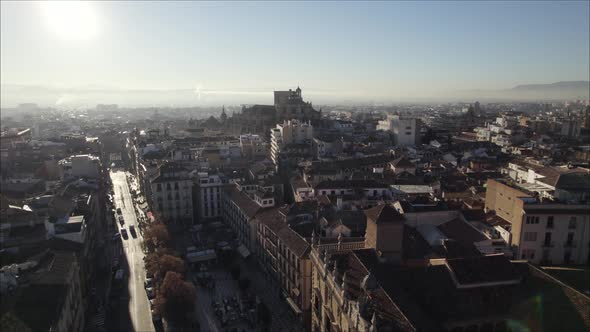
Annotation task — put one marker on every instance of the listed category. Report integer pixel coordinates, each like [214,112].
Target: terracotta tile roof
[483,269]
[293,241]
[402,162]
[384,213]
[276,221]
[459,230]
[242,200]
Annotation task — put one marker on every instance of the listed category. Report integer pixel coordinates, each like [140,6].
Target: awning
[200,256]
[243,251]
[294,306]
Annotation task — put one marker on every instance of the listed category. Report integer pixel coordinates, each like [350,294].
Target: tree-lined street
[139,306]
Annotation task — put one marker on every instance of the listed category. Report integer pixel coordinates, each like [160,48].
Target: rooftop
[385,213]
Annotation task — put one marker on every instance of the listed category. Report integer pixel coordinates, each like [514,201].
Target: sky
[200,52]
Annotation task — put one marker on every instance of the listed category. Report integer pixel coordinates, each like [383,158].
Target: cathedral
[259,119]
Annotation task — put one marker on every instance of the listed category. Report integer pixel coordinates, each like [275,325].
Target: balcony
[548,244]
[569,245]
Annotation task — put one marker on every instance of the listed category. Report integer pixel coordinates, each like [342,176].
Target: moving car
[124,233]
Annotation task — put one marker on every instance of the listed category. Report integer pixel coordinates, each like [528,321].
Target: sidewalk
[283,318]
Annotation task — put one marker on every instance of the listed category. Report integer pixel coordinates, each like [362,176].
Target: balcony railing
[547,244]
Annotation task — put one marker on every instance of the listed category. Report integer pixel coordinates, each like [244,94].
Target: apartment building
[541,231]
[253,147]
[208,189]
[238,212]
[49,296]
[287,133]
[283,254]
[171,193]
[364,286]
[405,130]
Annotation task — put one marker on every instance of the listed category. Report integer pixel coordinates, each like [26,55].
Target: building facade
[208,196]
[541,232]
[171,194]
[287,133]
[405,130]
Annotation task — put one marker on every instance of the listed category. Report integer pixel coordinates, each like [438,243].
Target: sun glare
[74,20]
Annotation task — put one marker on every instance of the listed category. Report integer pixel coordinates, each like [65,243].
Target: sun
[74,20]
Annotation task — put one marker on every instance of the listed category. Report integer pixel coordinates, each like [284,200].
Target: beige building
[541,231]
[284,255]
[172,193]
[286,133]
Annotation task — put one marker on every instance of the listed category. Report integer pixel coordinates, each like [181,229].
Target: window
[159,186]
[572,223]
[528,254]
[175,185]
[550,222]
[547,241]
[530,236]
[532,220]
[168,186]
[570,239]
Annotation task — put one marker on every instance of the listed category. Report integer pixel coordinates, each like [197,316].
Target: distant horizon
[211,53]
[90,96]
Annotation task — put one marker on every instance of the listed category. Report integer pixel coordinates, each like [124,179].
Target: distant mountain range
[558,91]
[558,86]
[88,96]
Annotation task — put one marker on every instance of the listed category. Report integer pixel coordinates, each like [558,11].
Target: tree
[158,263]
[155,235]
[235,272]
[169,263]
[264,315]
[176,298]
[244,283]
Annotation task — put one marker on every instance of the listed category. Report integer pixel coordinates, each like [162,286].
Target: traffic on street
[128,233]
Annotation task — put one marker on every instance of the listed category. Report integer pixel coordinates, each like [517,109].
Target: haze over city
[295,166]
[79,54]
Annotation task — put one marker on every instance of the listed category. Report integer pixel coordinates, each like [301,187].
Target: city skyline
[204,53]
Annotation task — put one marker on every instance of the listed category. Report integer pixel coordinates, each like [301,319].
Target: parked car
[121,220]
[124,233]
[151,293]
[156,319]
[149,282]
[119,212]
[116,236]
[132,231]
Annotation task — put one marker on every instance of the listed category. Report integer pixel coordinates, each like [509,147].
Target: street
[139,307]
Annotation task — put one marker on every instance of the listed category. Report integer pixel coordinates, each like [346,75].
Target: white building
[253,146]
[288,132]
[406,130]
[172,195]
[84,165]
[209,187]
[555,234]
[543,233]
